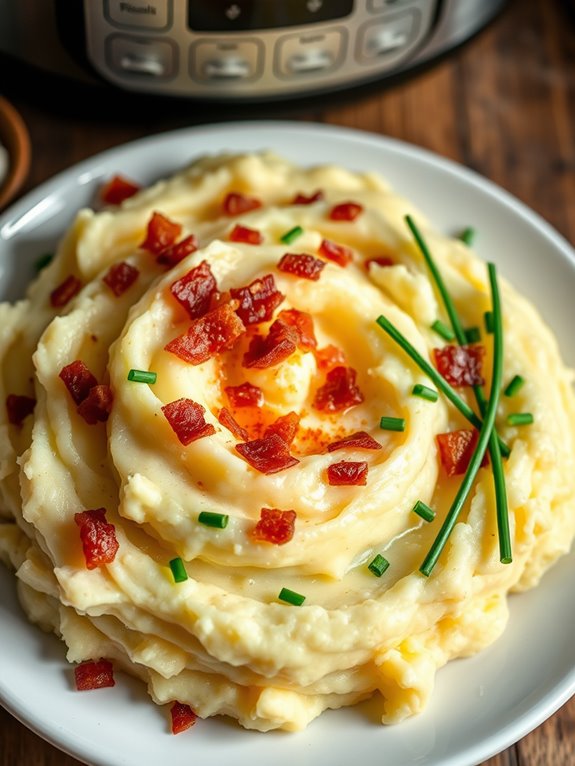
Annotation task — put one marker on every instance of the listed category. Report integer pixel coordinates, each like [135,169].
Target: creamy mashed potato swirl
[222,641]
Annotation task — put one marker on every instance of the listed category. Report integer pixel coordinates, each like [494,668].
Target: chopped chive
[488,321]
[423,510]
[514,385]
[378,565]
[392,424]
[424,392]
[473,334]
[468,236]
[291,235]
[43,261]
[487,428]
[520,419]
[291,597]
[178,570]
[443,330]
[142,376]
[219,520]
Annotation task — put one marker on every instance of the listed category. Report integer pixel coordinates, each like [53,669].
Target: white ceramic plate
[480,705]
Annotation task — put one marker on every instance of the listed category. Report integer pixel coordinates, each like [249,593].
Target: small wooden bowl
[14,137]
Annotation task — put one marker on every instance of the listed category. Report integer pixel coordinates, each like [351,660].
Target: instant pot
[234,50]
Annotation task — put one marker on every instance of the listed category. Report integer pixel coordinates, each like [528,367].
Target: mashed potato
[166,455]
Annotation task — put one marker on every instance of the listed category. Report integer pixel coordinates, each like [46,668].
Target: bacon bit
[19,407]
[244,234]
[216,331]
[285,426]
[120,277]
[358,440]
[187,420]
[236,204]
[96,407]
[274,526]
[345,211]
[328,357]
[183,717]
[339,254]
[65,291]
[117,189]
[460,365]
[280,343]
[302,265]
[258,300]
[303,323]
[195,289]
[380,260]
[339,391]
[245,395]
[98,537]
[175,253]
[456,449]
[268,455]
[94,675]
[228,421]
[160,234]
[347,473]
[304,199]
[78,380]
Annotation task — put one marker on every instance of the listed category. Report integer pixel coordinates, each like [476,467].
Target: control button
[389,40]
[155,59]
[243,15]
[377,6]
[212,60]
[145,14]
[299,55]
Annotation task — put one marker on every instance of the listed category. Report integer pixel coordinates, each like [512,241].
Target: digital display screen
[242,15]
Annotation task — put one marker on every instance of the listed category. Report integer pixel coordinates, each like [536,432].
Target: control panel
[234,49]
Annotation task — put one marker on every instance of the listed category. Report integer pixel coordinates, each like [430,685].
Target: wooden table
[504,105]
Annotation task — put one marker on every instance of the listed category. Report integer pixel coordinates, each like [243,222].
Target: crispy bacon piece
[339,254]
[244,234]
[173,254]
[268,455]
[280,343]
[183,717]
[228,421]
[117,189]
[358,440]
[216,331]
[339,391]
[347,473]
[160,233]
[307,199]
[236,203]
[301,265]
[98,537]
[98,674]
[285,426]
[186,418]
[274,526]
[78,380]
[460,365]
[328,357]
[303,323]
[245,395]
[120,277]
[258,300]
[380,260]
[456,449]
[19,407]
[65,291]
[96,407]
[345,211]
[195,289]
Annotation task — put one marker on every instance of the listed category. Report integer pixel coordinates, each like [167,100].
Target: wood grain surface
[503,104]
